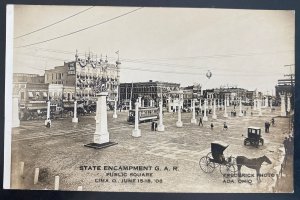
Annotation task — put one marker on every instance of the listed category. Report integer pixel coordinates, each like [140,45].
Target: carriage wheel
[227,169]
[206,165]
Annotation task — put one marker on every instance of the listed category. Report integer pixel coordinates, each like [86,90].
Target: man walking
[200,122]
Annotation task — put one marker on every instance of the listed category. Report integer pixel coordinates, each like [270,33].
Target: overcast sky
[247,48]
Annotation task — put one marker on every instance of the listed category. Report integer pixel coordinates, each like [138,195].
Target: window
[22,95]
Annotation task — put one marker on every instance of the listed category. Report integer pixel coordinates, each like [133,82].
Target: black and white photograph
[149,99]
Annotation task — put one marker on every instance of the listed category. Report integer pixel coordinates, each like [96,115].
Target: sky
[243,48]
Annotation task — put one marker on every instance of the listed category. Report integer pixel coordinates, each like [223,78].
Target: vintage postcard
[149,99]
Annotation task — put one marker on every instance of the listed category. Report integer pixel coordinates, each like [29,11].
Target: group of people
[288,143]
[225,127]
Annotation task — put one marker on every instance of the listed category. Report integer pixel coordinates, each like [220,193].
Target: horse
[254,163]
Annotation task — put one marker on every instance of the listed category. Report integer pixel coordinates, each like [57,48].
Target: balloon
[208,74]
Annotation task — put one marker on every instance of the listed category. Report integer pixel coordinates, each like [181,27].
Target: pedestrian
[266,127]
[273,121]
[155,126]
[152,126]
[211,126]
[200,121]
[225,127]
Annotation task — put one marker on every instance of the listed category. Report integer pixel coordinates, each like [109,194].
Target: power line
[83,29]
[53,23]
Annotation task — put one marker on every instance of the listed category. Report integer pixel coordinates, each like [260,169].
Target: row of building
[82,78]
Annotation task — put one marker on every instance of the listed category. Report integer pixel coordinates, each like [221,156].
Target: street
[60,150]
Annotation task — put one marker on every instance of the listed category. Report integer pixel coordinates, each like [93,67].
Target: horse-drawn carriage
[254,137]
[216,158]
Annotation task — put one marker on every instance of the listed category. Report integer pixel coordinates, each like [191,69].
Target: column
[143,103]
[101,133]
[179,122]
[115,109]
[214,116]
[283,111]
[266,102]
[288,103]
[225,109]
[241,114]
[140,101]
[48,112]
[130,106]
[136,132]
[259,107]
[75,119]
[204,116]
[254,104]
[169,104]
[15,112]
[271,106]
[193,120]
[200,104]
[227,101]
[161,126]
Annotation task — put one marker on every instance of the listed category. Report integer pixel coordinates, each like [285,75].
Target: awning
[30,94]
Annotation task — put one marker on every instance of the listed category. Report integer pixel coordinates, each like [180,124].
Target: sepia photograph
[149,99]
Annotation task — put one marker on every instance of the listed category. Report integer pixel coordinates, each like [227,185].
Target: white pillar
[255,104]
[161,126]
[259,107]
[15,112]
[266,102]
[283,111]
[225,109]
[204,116]
[136,132]
[218,103]
[288,103]
[75,119]
[169,104]
[227,102]
[36,175]
[271,102]
[48,112]
[200,104]
[101,134]
[140,101]
[115,109]
[56,183]
[193,120]
[130,106]
[241,114]
[214,116]
[179,122]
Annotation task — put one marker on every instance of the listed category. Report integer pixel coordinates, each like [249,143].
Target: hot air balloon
[208,74]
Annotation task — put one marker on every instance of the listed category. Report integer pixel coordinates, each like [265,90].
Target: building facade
[148,91]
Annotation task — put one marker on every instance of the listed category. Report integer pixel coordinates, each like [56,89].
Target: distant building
[148,91]
[285,87]
[82,79]
[31,90]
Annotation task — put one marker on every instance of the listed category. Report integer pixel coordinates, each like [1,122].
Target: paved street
[60,151]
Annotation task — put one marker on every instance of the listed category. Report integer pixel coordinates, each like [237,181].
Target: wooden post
[56,183]
[36,175]
[22,169]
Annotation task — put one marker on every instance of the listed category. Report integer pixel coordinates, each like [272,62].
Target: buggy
[254,137]
[216,158]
